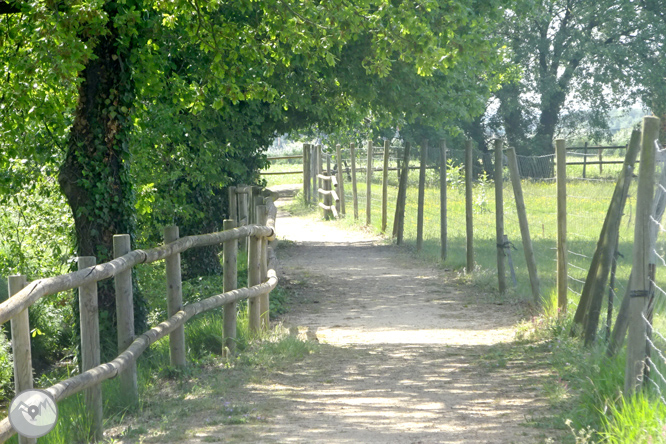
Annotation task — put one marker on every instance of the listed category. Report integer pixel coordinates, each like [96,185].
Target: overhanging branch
[8,8]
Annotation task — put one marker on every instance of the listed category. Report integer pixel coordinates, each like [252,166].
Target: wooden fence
[257,228]
[277,173]
[599,150]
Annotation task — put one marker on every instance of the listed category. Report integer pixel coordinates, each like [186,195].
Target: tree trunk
[511,111]
[94,176]
[550,115]
[476,132]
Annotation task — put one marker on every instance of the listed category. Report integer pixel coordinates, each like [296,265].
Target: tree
[573,55]
[83,82]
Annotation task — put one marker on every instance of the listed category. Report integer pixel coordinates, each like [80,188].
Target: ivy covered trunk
[94,176]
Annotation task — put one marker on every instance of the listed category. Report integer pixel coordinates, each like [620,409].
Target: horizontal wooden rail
[94,376]
[44,287]
[363,169]
[596,148]
[330,208]
[277,173]
[329,193]
[300,156]
[596,162]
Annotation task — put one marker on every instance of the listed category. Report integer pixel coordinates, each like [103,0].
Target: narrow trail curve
[402,356]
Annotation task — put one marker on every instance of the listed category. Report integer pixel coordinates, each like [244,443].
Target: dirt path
[406,355]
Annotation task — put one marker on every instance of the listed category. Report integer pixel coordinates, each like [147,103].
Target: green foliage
[575,61]
[6,367]
[642,418]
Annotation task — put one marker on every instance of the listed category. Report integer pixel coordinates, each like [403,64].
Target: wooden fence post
[306,175]
[174,299]
[233,203]
[314,195]
[421,197]
[230,277]
[601,159]
[399,219]
[320,169]
[443,232]
[499,215]
[328,186]
[387,147]
[254,278]
[589,305]
[341,176]
[530,259]
[20,328]
[584,159]
[90,348]
[125,319]
[398,169]
[243,216]
[264,302]
[469,209]
[640,281]
[561,159]
[368,186]
[353,171]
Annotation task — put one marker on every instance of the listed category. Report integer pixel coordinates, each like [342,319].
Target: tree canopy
[192,91]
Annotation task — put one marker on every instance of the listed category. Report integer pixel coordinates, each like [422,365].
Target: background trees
[577,58]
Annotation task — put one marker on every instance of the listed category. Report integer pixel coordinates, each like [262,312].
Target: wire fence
[587,203]
[592,188]
[655,313]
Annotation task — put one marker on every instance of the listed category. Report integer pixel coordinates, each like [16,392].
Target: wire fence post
[90,348]
[469,209]
[421,197]
[589,306]
[561,160]
[125,319]
[528,250]
[442,201]
[640,281]
[399,218]
[499,216]
[387,147]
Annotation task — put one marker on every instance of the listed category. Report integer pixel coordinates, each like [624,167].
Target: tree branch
[8,8]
